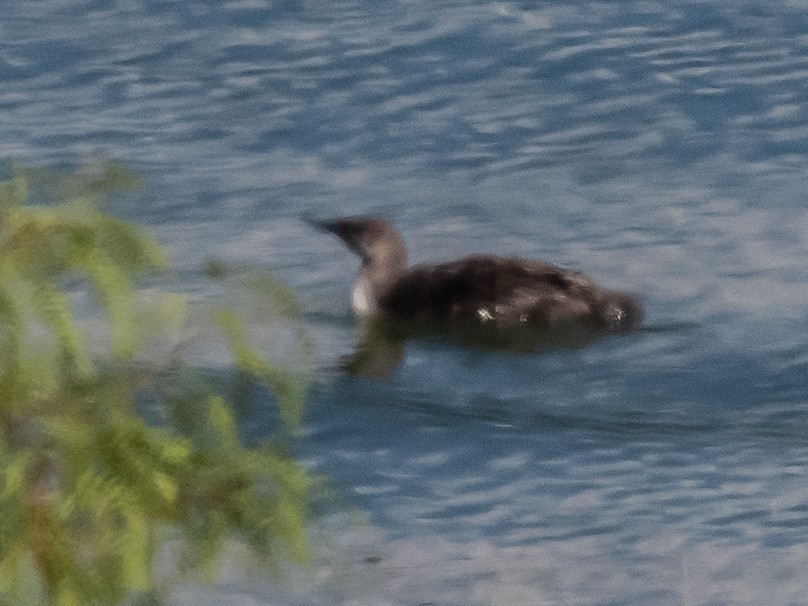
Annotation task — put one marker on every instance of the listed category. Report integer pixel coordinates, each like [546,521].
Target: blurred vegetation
[97,506]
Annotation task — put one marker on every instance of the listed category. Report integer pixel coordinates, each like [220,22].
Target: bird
[481,290]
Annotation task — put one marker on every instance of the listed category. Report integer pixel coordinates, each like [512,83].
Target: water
[659,145]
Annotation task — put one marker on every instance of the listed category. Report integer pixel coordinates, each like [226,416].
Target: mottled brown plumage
[477,290]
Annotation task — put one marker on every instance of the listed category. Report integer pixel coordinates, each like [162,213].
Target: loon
[479,290]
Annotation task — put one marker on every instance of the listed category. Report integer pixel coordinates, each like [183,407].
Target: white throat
[362,300]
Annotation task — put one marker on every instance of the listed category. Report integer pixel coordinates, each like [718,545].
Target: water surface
[657,145]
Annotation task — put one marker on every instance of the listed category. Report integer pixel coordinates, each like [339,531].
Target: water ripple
[658,146]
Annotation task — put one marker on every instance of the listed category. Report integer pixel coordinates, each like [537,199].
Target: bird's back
[497,290]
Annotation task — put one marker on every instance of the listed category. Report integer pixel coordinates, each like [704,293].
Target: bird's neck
[375,282]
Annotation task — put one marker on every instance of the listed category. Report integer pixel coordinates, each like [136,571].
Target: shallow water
[659,146]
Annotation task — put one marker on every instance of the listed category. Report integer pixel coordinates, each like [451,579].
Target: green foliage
[89,492]
[40,247]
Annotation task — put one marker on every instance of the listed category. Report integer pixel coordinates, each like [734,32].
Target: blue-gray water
[658,145]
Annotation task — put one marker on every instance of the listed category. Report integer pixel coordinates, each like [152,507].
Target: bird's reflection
[383,340]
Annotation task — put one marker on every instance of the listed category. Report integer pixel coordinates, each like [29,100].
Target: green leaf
[54,309]
[88,489]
